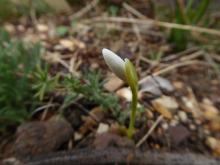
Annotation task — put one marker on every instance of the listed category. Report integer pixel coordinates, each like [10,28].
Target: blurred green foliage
[39,7]
[43,83]
[6,10]
[17,63]
[10,10]
[189,14]
[25,83]
[113,10]
[61,30]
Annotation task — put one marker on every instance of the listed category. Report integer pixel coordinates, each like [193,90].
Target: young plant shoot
[125,70]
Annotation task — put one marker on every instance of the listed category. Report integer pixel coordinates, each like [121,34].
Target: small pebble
[77,136]
[9,28]
[174,123]
[21,28]
[198,122]
[206,132]
[42,28]
[176,117]
[192,127]
[149,114]
[182,116]
[165,126]
[213,144]
[102,128]
[124,93]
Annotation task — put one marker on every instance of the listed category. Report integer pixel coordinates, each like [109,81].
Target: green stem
[131,77]
[133,112]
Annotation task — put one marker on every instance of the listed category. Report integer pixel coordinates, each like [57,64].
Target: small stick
[144,138]
[48,105]
[133,11]
[154,22]
[216,57]
[85,10]
[180,54]
[169,68]
[192,56]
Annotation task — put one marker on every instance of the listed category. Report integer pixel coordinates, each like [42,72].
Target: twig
[148,61]
[85,10]
[174,66]
[136,30]
[93,116]
[180,54]
[63,63]
[216,57]
[33,13]
[133,10]
[213,65]
[192,56]
[154,22]
[126,29]
[48,105]
[144,138]
[139,39]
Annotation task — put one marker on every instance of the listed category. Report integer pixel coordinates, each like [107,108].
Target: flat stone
[39,137]
[113,83]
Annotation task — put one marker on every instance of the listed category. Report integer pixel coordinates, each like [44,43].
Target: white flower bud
[115,63]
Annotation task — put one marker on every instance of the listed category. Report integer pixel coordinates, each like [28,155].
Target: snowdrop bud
[115,63]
